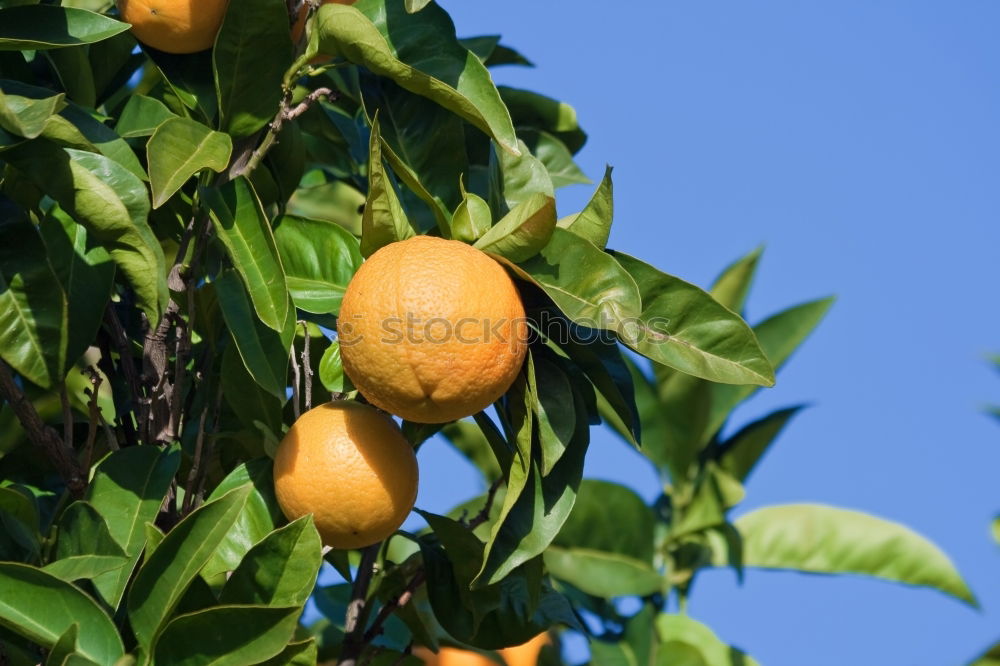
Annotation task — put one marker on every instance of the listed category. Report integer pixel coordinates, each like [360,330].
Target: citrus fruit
[431,330]
[174,26]
[350,467]
[525,654]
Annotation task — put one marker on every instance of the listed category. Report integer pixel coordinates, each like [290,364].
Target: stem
[357,610]
[393,605]
[307,368]
[296,408]
[484,514]
[41,435]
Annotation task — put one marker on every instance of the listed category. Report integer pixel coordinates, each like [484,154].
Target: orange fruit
[351,468]
[431,330]
[174,26]
[300,20]
[525,654]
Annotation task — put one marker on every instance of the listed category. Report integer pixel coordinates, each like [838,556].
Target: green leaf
[24,116]
[779,336]
[111,203]
[280,570]
[516,178]
[243,227]
[682,326]
[38,27]
[85,547]
[383,220]
[127,489]
[740,453]
[41,607]
[319,259]
[331,370]
[255,408]
[180,148]
[587,285]
[141,116]
[33,306]
[413,6]
[989,658]
[472,219]
[252,51]
[64,648]
[85,567]
[226,636]
[531,109]
[77,127]
[824,539]
[552,397]
[601,573]
[256,519]
[687,642]
[163,578]
[420,53]
[86,273]
[555,156]
[733,284]
[264,351]
[295,654]
[523,232]
[594,221]
[72,67]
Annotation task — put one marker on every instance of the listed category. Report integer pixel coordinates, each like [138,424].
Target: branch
[307,368]
[41,435]
[484,514]
[296,403]
[393,605]
[357,610]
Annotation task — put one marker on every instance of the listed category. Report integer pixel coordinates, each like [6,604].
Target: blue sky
[859,141]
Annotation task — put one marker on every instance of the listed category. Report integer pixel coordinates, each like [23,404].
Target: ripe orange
[431,330]
[174,26]
[525,654]
[351,468]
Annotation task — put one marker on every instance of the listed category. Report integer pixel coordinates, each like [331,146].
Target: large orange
[350,467]
[174,26]
[525,654]
[432,330]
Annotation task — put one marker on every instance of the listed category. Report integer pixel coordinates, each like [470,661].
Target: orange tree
[177,233]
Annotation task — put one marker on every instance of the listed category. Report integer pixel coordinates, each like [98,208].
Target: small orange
[174,26]
[432,330]
[525,654]
[351,468]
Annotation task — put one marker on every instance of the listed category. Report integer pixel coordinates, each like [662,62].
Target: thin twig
[484,514]
[42,435]
[296,404]
[67,414]
[126,365]
[393,605]
[357,609]
[209,449]
[192,479]
[307,368]
[94,414]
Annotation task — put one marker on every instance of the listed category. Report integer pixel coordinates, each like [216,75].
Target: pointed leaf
[383,220]
[180,148]
[319,259]
[524,231]
[531,109]
[419,52]
[163,578]
[472,219]
[741,452]
[141,116]
[733,284]
[226,636]
[37,27]
[24,116]
[515,179]
[686,641]
[555,156]
[825,539]
[41,607]
[594,221]
[242,226]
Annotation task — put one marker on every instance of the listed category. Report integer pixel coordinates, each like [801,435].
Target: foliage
[177,234]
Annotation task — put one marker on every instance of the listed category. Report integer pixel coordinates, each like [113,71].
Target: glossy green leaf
[256,409]
[26,117]
[264,351]
[824,539]
[85,567]
[179,149]
[111,203]
[601,573]
[779,336]
[319,259]
[38,27]
[413,6]
[127,490]
[141,116]
[472,219]
[489,49]
[383,220]
[33,306]
[41,607]
[336,202]
[280,570]
[165,576]
[72,68]
[77,127]
[522,232]
[555,156]
[86,272]
[295,654]
[226,636]
[594,221]
[252,51]
[733,284]
[255,520]
[740,453]
[244,229]
[515,179]
[531,109]
[684,327]
[64,648]
[690,643]
[552,400]
[331,370]
[419,52]
[85,547]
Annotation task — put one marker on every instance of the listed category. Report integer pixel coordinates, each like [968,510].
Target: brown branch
[393,605]
[357,609]
[307,368]
[484,514]
[126,364]
[155,417]
[192,479]
[95,418]
[296,403]
[41,435]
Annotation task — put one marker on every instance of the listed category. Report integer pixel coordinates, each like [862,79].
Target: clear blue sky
[859,140]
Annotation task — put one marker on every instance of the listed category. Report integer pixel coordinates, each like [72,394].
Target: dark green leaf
[163,578]
[72,68]
[740,453]
[37,27]
[180,148]
[552,397]
[41,607]
[824,539]
[256,409]
[419,52]
[226,636]
[252,51]
[295,654]
[24,116]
